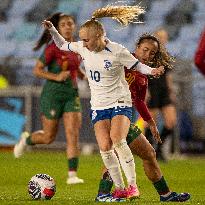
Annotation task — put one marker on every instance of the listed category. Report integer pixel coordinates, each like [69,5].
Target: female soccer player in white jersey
[111,103]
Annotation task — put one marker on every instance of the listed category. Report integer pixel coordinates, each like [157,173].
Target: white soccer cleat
[74,180]
[108,198]
[20,147]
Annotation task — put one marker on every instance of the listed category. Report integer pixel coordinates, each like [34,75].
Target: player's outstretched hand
[47,24]
[156,72]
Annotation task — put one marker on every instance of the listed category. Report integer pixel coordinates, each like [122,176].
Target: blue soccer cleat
[176,197]
[108,198]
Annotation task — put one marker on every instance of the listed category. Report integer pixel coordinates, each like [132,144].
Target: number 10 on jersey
[95,75]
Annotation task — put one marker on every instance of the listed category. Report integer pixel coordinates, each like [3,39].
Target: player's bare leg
[72,124]
[45,136]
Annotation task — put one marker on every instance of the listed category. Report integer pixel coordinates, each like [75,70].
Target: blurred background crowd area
[20,28]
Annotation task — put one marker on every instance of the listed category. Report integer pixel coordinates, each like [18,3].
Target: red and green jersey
[57,61]
[60,97]
[138,83]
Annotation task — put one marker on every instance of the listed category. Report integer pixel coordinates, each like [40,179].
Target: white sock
[112,164]
[72,174]
[127,161]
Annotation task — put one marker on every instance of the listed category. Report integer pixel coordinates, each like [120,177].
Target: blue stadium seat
[25,50]
[17,10]
[5,30]
[7,48]
[69,6]
[26,31]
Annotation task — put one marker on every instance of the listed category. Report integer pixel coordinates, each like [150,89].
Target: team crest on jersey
[107,65]
[52,113]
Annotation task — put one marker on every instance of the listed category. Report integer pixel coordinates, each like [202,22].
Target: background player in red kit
[59,97]
[148,49]
[200,54]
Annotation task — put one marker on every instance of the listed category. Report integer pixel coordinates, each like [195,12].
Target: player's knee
[105,147]
[151,154]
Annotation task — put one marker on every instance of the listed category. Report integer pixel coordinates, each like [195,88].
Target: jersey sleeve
[130,62]
[126,58]
[73,46]
[138,91]
[142,108]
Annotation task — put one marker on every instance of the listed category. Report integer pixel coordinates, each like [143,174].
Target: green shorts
[53,106]
[133,133]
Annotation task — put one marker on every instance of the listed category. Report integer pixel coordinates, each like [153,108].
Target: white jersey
[105,72]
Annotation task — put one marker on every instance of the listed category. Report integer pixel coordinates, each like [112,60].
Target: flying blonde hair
[124,14]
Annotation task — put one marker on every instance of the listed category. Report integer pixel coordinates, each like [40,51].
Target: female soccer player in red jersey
[59,97]
[148,50]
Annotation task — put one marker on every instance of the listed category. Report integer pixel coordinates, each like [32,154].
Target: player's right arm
[41,73]
[130,62]
[143,110]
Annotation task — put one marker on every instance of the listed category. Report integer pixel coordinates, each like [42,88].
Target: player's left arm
[129,61]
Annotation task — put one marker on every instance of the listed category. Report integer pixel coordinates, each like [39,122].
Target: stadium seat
[5,30]
[7,48]
[17,10]
[26,31]
[175,48]
[189,49]
[25,50]
[69,7]
[193,29]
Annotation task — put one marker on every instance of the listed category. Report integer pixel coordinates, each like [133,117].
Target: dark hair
[162,57]
[46,37]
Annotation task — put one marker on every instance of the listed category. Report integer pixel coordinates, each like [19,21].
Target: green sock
[161,186]
[73,164]
[29,141]
[105,184]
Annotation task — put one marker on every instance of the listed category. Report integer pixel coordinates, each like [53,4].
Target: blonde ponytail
[123,14]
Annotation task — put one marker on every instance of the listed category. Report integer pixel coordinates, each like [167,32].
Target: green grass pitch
[182,175]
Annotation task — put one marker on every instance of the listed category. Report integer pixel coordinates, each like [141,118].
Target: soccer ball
[41,186]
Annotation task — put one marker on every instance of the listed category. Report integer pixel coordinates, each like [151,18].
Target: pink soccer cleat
[119,193]
[132,192]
